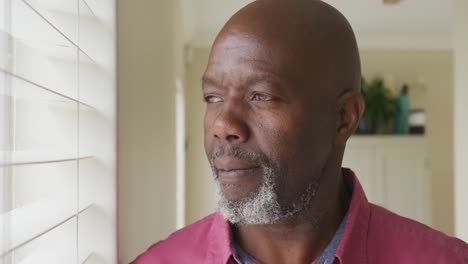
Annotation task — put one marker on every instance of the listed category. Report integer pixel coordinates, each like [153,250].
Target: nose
[230,125]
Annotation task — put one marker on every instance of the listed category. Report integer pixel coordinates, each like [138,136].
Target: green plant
[380,106]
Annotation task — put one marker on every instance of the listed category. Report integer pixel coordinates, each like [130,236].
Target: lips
[232,164]
[229,167]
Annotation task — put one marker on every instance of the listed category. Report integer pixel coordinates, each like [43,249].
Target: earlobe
[350,109]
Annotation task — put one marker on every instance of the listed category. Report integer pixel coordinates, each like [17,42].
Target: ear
[349,111]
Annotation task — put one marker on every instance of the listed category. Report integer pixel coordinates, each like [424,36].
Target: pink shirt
[372,235]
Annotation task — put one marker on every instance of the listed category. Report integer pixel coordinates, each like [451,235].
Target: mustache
[240,153]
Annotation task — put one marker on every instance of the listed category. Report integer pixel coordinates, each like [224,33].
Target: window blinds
[57,131]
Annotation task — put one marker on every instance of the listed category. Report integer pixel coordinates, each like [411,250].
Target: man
[282,93]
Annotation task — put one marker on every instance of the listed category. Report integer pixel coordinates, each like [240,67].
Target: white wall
[461,124]
[149,62]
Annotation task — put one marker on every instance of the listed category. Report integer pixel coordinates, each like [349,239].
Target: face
[269,127]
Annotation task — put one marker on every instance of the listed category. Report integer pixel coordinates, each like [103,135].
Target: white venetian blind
[57,131]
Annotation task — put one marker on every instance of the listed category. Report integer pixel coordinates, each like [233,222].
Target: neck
[301,239]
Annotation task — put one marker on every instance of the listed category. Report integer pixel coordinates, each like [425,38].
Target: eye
[261,97]
[212,99]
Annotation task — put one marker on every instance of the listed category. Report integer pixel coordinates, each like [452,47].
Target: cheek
[299,147]
[276,134]
[296,139]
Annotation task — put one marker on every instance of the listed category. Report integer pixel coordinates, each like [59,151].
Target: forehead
[233,48]
[241,54]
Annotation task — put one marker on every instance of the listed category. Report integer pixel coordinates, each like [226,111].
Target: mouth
[232,169]
[237,171]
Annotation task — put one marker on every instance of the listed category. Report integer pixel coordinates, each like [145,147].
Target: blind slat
[34,85]
[30,222]
[42,13]
[18,158]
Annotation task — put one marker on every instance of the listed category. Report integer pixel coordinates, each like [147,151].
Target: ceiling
[428,20]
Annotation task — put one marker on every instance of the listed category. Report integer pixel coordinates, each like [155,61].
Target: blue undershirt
[327,256]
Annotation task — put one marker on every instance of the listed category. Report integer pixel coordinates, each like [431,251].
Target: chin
[234,192]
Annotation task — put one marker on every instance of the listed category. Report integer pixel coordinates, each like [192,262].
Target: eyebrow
[207,81]
[261,78]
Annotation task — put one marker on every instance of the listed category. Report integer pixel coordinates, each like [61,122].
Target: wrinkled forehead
[233,47]
[239,49]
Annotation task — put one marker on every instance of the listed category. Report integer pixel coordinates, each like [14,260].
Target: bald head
[309,37]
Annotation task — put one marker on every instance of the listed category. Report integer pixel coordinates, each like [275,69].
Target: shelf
[387,140]
[24,226]
[20,158]
[387,137]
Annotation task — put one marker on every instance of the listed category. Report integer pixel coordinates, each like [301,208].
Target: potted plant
[380,106]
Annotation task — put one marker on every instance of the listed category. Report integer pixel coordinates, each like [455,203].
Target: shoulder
[403,240]
[183,246]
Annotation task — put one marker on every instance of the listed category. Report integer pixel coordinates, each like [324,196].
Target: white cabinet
[394,172]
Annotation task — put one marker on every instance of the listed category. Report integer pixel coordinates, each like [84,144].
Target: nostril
[232,138]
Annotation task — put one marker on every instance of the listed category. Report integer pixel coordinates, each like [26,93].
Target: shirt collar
[220,248]
[352,245]
[354,240]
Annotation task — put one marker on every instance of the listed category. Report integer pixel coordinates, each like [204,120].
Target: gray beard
[263,205]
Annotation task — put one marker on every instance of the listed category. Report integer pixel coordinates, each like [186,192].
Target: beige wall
[147,69]
[200,188]
[461,124]
[434,71]
[429,72]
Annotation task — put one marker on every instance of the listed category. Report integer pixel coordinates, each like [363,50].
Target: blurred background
[101,144]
